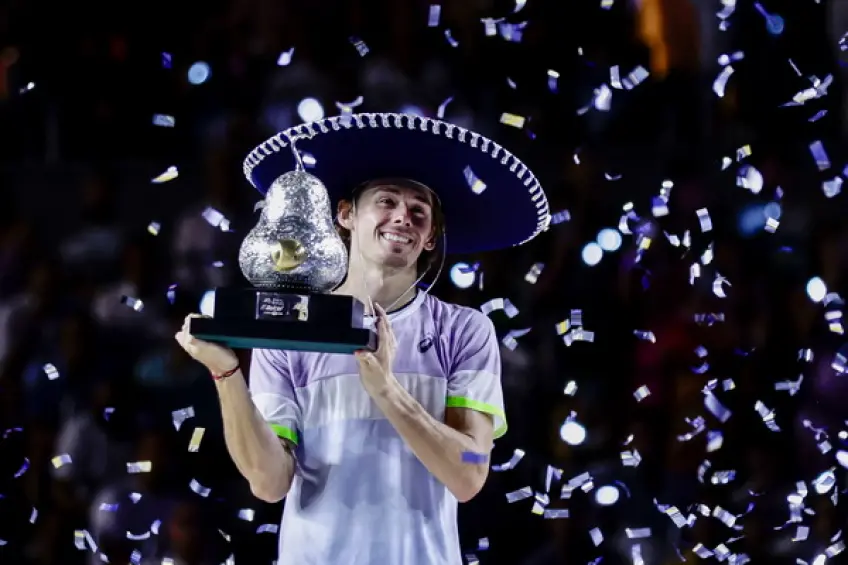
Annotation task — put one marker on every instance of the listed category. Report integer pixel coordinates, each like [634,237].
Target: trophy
[293,257]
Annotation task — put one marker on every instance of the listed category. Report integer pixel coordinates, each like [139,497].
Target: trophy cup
[293,257]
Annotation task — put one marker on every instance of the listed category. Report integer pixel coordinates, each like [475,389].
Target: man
[374,450]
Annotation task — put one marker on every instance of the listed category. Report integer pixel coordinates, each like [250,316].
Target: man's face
[392,224]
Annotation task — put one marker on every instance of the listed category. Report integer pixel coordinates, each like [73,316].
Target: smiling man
[373,451]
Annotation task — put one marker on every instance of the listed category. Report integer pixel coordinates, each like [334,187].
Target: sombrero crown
[490,199]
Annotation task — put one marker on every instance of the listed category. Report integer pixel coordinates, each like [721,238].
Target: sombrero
[490,199]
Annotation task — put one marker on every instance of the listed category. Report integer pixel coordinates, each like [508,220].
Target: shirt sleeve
[475,377]
[273,392]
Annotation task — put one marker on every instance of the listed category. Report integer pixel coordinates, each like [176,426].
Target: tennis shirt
[359,495]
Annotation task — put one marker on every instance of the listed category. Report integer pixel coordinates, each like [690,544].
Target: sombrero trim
[394,120]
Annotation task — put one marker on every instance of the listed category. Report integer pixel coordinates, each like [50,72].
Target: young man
[372,451]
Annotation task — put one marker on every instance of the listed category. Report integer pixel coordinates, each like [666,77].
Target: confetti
[60,461]
[216,219]
[474,458]
[134,303]
[170,174]
[517,456]
[451,41]
[435,15]
[285,58]
[181,415]
[139,467]
[499,304]
[513,120]
[475,184]
[51,371]
[360,46]
[720,82]
[196,438]
[199,488]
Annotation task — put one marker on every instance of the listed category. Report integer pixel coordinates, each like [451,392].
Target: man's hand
[214,357]
[375,369]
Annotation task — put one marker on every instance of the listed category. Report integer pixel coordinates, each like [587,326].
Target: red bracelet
[222,376]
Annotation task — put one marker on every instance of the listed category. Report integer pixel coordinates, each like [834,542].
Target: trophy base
[268,319]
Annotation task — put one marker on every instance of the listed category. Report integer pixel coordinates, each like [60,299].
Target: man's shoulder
[457,316]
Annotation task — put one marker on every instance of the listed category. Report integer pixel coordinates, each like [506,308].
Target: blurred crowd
[111,443]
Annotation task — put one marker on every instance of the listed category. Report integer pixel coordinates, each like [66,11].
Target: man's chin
[396,260]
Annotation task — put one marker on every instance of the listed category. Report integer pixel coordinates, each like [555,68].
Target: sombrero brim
[507,209]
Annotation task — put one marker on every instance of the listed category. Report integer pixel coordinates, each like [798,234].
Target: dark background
[84,374]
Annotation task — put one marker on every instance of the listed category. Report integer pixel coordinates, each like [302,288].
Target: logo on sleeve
[425,344]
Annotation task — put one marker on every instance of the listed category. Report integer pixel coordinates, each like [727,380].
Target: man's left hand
[375,368]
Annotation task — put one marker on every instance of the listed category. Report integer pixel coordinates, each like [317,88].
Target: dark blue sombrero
[490,199]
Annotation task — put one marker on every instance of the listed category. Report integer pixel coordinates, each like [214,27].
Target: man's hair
[427,259]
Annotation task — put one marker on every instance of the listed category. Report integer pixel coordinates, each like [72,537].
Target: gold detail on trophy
[287,254]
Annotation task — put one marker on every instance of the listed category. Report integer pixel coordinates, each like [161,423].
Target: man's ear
[344,215]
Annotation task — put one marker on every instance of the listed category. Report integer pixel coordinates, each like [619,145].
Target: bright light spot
[207,303]
[199,73]
[820,559]
[462,275]
[607,495]
[609,239]
[572,433]
[794,498]
[773,210]
[310,110]
[842,458]
[752,219]
[592,254]
[774,24]
[816,289]
[414,110]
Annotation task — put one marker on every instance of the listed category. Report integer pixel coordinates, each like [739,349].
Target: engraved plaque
[283,307]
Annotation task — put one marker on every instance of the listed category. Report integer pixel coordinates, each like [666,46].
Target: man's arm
[266,461]
[441,446]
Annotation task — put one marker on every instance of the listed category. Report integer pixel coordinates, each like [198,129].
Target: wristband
[222,376]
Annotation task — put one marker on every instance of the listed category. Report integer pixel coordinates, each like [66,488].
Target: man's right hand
[216,358]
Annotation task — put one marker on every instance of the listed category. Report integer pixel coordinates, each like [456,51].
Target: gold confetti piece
[513,120]
[476,185]
[139,467]
[170,174]
[196,438]
[61,460]
[153,228]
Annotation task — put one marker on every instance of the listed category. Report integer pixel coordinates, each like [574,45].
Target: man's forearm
[257,452]
[439,447]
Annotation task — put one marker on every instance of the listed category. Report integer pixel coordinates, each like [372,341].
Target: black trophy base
[269,319]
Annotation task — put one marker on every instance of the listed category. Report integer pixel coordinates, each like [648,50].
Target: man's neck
[390,288]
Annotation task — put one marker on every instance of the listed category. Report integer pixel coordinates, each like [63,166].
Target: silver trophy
[293,257]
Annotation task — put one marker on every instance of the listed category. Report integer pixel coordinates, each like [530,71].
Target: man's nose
[401,216]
